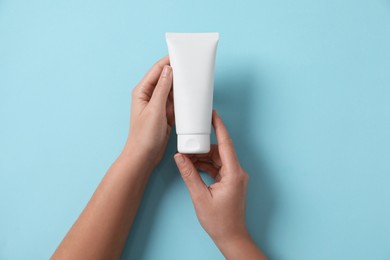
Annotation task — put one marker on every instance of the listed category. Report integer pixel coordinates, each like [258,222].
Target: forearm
[241,247]
[102,228]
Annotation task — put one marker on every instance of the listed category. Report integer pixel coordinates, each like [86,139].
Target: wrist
[239,246]
[142,150]
[136,159]
[226,241]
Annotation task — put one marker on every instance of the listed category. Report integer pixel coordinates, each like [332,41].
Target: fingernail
[166,71]
[179,158]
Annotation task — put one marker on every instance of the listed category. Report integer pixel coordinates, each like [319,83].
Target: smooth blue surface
[304,88]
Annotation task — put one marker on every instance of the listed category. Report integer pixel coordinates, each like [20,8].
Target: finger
[208,168]
[170,97]
[163,87]
[170,112]
[149,81]
[191,177]
[225,143]
[171,109]
[212,156]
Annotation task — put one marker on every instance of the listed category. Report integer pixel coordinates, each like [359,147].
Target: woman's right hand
[220,207]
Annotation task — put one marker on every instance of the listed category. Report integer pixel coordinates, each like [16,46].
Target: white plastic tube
[192,58]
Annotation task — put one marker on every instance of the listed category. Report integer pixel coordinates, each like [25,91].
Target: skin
[101,230]
[220,207]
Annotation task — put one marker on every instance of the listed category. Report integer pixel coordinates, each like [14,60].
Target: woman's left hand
[152,114]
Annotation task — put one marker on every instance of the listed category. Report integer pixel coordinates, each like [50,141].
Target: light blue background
[304,88]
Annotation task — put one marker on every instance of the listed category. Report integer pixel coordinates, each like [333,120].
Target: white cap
[193,143]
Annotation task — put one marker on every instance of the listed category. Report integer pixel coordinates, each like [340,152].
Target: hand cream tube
[192,58]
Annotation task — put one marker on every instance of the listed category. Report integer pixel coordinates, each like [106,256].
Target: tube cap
[193,143]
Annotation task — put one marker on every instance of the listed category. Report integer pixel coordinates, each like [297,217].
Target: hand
[152,115]
[220,208]
[101,230]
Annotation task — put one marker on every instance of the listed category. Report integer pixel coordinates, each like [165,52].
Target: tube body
[192,58]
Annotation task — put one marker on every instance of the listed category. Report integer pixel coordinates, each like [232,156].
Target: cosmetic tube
[192,58]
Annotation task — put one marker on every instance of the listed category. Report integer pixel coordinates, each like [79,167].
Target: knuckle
[187,171]
[159,63]
[226,141]
[242,176]
[134,92]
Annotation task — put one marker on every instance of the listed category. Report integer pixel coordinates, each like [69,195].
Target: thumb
[163,87]
[191,177]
